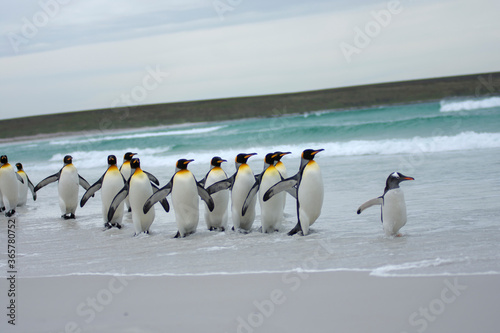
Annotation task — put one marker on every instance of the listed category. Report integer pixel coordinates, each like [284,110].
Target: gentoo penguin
[393,210]
[138,188]
[24,186]
[216,219]
[126,172]
[185,191]
[111,182]
[308,185]
[240,184]
[8,186]
[69,182]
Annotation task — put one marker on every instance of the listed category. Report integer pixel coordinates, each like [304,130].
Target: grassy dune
[255,106]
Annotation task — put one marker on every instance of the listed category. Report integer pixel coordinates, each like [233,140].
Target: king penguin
[8,186]
[185,191]
[24,186]
[271,211]
[69,182]
[308,187]
[216,219]
[111,182]
[138,188]
[280,165]
[393,210]
[126,172]
[240,183]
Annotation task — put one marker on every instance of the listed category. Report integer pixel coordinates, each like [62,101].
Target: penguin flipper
[163,202]
[19,178]
[251,194]
[32,188]
[369,203]
[221,185]
[293,192]
[152,178]
[90,192]
[120,196]
[281,186]
[50,179]
[205,196]
[83,183]
[157,196]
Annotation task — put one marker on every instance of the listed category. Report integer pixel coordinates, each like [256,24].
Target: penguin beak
[249,155]
[408,178]
[316,151]
[220,161]
[283,154]
[188,161]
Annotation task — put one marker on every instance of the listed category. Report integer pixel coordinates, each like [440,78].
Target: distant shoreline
[102,121]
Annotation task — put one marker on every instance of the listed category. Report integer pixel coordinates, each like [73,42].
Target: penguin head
[279,155]
[135,163]
[68,159]
[394,179]
[182,164]
[216,162]
[242,159]
[111,160]
[128,156]
[269,160]
[309,154]
[4,159]
[19,166]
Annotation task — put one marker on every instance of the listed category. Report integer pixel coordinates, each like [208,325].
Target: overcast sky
[70,55]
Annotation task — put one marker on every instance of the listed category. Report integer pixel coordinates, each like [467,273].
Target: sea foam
[470,104]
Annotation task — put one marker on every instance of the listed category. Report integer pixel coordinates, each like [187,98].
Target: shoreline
[125,118]
[273,302]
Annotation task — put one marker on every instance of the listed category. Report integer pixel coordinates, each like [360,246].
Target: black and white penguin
[9,189]
[308,187]
[185,191]
[111,182]
[216,219]
[24,186]
[393,210]
[126,171]
[240,184]
[69,182]
[138,188]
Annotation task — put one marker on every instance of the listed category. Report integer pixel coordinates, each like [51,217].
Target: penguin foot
[10,212]
[107,226]
[130,209]
[68,216]
[177,235]
[118,225]
[2,209]
[221,229]
[295,230]
[232,228]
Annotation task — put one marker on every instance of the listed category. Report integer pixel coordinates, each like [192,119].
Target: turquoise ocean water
[452,148]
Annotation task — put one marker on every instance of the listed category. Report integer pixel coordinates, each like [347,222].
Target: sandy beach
[297,301]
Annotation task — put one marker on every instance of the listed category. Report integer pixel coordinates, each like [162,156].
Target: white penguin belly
[111,185]
[393,211]
[218,217]
[271,210]
[310,196]
[140,190]
[9,187]
[22,190]
[242,185]
[185,202]
[68,190]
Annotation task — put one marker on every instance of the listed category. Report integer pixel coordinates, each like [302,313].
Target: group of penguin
[137,190]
